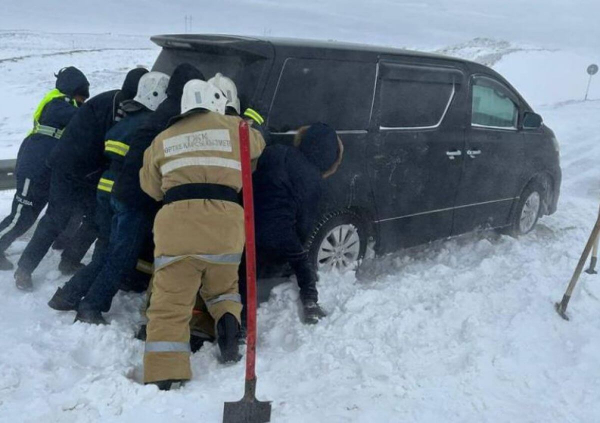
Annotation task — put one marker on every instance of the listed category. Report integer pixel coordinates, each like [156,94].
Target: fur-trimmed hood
[321,146]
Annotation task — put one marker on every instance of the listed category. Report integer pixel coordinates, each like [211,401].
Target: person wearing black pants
[288,183]
[52,115]
[28,203]
[77,163]
[62,191]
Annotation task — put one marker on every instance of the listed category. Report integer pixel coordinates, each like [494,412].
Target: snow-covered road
[460,331]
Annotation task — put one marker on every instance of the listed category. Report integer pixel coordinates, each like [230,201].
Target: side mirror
[532,121]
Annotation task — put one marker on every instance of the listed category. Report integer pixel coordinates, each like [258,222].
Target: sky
[401,23]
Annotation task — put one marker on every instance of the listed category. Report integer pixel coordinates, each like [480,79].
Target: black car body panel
[434,146]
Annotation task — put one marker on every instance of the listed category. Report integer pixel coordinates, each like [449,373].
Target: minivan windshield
[244,69]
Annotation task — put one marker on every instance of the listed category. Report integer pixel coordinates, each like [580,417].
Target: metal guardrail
[7,174]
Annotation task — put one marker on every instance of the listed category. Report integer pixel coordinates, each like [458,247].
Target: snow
[462,330]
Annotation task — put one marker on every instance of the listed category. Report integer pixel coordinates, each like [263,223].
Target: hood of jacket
[132,80]
[181,76]
[321,146]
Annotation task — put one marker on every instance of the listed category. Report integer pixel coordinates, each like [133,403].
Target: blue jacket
[118,141]
[36,148]
[127,186]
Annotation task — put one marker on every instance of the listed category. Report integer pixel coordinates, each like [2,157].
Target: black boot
[166,385]
[92,317]
[23,280]
[197,340]
[60,301]
[312,312]
[228,330]
[5,264]
[141,333]
[68,267]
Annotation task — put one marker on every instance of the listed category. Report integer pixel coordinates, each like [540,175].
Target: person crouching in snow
[287,187]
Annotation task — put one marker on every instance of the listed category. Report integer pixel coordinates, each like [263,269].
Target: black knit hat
[72,82]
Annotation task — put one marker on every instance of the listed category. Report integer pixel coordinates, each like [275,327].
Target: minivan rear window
[338,93]
[244,69]
[414,97]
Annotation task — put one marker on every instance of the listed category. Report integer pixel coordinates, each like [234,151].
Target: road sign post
[591,70]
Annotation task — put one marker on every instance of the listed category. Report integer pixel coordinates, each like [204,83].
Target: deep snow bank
[459,331]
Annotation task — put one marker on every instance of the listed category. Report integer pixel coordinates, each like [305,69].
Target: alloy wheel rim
[530,212]
[340,249]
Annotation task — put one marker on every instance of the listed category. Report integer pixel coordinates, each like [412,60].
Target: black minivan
[434,146]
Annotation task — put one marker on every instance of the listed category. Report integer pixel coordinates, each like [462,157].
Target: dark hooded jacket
[55,114]
[127,186]
[80,151]
[288,183]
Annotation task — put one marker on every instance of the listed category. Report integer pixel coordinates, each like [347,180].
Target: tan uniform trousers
[174,293]
[202,323]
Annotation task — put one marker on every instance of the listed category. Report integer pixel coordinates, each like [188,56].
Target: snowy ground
[460,331]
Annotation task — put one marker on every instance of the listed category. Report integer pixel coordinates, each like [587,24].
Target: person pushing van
[194,168]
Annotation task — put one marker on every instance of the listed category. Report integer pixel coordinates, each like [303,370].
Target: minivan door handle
[453,154]
[473,153]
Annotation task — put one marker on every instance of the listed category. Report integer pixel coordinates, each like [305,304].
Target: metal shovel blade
[245,411]
[248,409]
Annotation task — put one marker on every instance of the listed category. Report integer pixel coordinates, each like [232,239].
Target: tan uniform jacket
[201,148]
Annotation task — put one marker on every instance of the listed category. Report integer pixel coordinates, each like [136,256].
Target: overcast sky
[409,23]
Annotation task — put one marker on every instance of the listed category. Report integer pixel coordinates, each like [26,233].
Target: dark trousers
[78,244]
[66,196]
[29,201]
[306,275]
[128,230]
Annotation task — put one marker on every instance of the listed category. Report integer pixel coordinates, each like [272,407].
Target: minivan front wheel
[338,242]
[528,210]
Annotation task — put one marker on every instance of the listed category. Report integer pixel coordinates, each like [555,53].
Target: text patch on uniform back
[209,140]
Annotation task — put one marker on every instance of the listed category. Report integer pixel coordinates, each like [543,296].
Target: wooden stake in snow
[561,308]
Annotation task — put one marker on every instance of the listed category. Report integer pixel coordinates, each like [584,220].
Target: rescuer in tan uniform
[194,168]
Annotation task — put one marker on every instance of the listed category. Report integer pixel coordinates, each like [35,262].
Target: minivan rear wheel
[338,242]
[528,210]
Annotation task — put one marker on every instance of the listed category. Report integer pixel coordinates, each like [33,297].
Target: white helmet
[152,89]
[228,87]
[199,94]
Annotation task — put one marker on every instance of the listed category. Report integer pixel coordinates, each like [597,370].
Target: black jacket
[287,189]
[35,149]
[127,186]
[80,151]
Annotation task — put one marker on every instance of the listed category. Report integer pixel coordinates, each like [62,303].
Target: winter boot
[23,280]
[5,264]
[141,333]
[68,267]
[312,312]
[167,385]
[228,330]
[61,301]
[197,340]
[93,317]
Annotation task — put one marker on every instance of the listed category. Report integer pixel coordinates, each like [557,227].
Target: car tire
[338,242]
[529,209]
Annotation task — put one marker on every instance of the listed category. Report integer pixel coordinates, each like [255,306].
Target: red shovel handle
[250,250]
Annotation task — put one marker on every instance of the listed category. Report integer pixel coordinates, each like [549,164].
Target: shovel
[248,409]
[561,308]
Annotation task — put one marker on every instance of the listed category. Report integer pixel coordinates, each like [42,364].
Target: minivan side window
[415,97]
[339,93]
[494,106]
